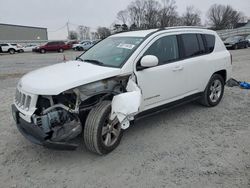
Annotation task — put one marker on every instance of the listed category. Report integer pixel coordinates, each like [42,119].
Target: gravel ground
[190,146]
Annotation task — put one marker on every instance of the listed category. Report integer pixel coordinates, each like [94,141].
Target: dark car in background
[236,42]
[57,46]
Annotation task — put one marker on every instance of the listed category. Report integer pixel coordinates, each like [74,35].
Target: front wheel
[213,92]
[60,50]
[42,51]
[100,135]
[11,51]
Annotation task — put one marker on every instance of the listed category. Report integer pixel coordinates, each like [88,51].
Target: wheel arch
[223,74]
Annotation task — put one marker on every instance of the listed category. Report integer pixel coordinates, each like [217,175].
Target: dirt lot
[190,146]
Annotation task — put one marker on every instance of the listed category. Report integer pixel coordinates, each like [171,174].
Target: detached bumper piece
[243,85]
[35,134]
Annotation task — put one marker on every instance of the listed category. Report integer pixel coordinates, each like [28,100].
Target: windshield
[113,51]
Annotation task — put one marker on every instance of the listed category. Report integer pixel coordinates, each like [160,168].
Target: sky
[54,14]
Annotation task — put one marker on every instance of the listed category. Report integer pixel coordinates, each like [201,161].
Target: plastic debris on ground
[243,85]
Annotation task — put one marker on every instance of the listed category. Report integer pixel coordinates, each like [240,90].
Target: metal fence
[233,32]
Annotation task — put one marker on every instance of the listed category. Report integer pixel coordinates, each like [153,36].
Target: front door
[165,82]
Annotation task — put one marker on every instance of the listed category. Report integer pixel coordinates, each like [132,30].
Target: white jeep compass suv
[120,79]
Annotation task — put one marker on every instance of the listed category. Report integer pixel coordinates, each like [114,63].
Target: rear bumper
[35,134]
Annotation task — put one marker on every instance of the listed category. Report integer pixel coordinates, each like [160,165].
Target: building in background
[10,32]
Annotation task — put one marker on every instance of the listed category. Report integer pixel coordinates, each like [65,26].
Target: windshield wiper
[93,61]
[78,58]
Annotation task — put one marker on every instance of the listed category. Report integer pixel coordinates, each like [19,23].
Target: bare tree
[73,35]
[122,16]
[168,14]
[151,14]
[84,32]
[223,17]
[103,32]
[136,12]
[191,17]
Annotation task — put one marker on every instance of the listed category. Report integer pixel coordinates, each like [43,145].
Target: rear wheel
[213,92]
[102,136]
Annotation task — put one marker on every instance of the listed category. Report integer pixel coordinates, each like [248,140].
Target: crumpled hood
[53,80]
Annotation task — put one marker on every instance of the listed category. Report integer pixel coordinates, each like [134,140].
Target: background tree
[103,32]
[133,27]
[223,17]
[125,27]
[73,35]
[136,12]
[151,14]
[191,17]
[168,14]
[123,16]
[84,32]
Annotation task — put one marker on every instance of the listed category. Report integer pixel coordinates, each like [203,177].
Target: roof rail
[184,27]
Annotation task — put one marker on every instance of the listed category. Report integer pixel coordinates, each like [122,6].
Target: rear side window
[201,44]
[191,45]
[210,42]
[165,49]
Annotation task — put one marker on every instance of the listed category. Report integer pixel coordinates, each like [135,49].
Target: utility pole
[67,24]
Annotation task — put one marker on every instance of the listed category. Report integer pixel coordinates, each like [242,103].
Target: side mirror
[148,61]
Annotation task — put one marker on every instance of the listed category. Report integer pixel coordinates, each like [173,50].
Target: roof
[140,33]
[144,33]
[22,26]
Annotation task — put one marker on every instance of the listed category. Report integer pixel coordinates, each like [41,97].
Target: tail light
[231,58]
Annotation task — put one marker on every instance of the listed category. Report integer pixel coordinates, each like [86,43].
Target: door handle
[178,68]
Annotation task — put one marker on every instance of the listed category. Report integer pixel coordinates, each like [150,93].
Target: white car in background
[82,46]
[10,48]
[29,47]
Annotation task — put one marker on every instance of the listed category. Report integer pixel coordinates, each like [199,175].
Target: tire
[99,135]
[60,50]
[235,47]
[80,49]
[214,91]
[11,51]
[21,51]
[42,51]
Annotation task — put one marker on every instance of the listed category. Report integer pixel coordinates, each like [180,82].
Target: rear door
[196,61]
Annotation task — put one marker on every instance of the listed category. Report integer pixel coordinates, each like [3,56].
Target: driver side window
[165,49]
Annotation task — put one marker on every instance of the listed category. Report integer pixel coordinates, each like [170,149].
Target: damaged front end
[54,121]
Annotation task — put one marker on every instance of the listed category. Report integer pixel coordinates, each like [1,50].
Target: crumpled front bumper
[36,135]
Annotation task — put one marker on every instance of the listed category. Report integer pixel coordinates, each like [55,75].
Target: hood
[53,80]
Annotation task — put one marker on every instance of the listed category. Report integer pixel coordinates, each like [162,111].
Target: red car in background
[57,46]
